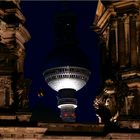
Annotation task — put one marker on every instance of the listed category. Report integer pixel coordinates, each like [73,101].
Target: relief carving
[5,91]
[22,89]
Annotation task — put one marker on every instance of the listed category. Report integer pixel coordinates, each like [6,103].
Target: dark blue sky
[40,24]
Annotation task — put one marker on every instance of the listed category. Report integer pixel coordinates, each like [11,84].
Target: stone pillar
[127,40]
[138,38]
[112,44]
[133,45]
[121,42]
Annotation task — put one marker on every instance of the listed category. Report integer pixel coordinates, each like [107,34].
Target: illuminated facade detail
[66,77]
[13,86]
[119,30]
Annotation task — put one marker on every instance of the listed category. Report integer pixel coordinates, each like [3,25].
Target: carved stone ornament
[6,93]
[111,100]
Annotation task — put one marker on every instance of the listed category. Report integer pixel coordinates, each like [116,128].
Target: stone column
[112,43]
[133,45]
[121,42]
[127,40]
[138,37]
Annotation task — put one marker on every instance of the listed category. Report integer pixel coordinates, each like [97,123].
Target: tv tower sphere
[66,77]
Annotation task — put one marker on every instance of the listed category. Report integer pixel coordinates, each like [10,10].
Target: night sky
[40,24]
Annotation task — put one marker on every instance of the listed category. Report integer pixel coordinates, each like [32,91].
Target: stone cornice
[19,33]
[123,4]
[22,132]
[16,12]
[22,34]
[100,24]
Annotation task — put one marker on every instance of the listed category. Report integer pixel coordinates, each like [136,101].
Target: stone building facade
[118,27]
[13,85]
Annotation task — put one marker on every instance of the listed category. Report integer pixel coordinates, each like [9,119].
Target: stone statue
[111,100]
